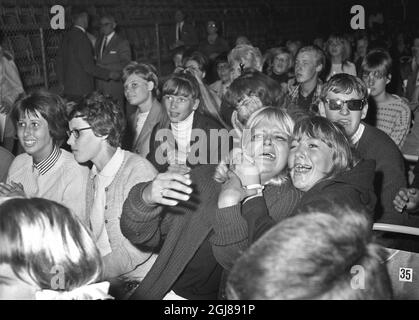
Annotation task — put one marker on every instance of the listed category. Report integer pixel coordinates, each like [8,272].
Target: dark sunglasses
[352,105]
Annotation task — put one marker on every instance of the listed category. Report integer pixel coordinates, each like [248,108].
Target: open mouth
[174,114]
[302,168]
[29,143]
[268,155]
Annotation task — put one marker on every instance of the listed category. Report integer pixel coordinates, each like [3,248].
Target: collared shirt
[45,165]
[294,94]
[358,134]
[179,27]
[81,28]
[109,37]
[97,216]
[105,42]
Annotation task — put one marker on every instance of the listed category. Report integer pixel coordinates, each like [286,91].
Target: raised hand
[168,189]
[406,198]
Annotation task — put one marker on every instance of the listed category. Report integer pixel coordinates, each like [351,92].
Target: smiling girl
[322,165]
[45,170]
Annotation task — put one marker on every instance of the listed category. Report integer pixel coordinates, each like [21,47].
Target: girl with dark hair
[45,170]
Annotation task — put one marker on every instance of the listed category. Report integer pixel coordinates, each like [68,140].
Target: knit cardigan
[182,229]
[64,183]
[124,256]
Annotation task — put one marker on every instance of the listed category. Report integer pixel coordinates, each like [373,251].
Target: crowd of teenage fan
[113,185]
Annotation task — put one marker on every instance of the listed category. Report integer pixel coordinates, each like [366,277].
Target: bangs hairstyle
[104,115]
[41,237]
[182,84]
[275,118]
[343,41]
[333,136]
[144,70]
[254,83]
[50,106]
[377,59]
[345,84]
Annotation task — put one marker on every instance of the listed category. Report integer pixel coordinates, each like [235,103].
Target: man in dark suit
[112,53]
[184,33]
[76,67]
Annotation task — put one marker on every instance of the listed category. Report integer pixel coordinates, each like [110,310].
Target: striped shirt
[45,165]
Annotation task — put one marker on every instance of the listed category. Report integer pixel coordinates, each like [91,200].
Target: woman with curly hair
[95,130]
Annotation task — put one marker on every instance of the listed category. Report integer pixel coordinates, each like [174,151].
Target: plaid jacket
[292,96]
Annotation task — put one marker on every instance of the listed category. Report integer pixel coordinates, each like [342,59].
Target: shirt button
[106,207]
[106,189]
[106,221]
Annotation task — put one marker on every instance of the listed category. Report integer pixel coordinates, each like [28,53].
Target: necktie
[178,31]
[104,43]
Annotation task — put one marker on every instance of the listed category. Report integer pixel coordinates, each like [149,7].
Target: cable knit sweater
[182,229]
[394,117]
[124,256]
[64,183]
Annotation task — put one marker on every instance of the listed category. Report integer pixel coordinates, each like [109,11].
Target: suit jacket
[141,145]
[188,35]
[115,57]
[76,68]
[200,121]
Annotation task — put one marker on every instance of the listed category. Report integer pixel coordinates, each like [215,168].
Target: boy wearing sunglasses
[344,100]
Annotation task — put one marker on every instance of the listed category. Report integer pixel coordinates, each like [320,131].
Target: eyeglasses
[377,74]
[352,105]
[76,132]
[176,99]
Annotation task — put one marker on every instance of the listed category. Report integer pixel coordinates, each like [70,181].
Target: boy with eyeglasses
[393,115]
[344,100]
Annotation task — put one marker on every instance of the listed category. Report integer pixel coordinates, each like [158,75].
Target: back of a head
[251,83]
[314,255]
[39,238]
[79,15]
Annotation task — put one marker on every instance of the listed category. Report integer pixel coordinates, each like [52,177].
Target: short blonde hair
[275,117]
[39,237]
[250,56]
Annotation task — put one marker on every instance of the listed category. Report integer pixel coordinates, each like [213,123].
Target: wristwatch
[258,187]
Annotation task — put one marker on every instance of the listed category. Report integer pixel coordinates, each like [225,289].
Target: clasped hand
[11,190]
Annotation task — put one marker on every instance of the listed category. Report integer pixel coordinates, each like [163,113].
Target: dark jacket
[76,67]
[199,145]
[115,57]
[353,188]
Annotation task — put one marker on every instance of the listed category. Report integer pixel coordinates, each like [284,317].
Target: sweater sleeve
[230,235]
[74,194]
[141,223]
[257,216]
